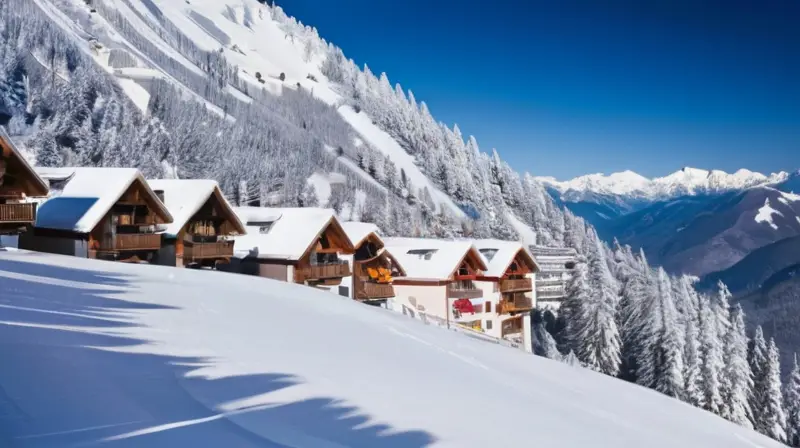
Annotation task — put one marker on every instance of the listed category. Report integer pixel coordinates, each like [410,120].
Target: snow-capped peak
[686,181]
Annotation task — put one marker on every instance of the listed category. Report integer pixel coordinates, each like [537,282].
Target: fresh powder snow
[136,355]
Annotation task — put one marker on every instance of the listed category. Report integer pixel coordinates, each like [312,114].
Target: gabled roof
[498,255]
[360,231]
[185,197]
[9,150]
[87,194]
[288,232]
[430,259]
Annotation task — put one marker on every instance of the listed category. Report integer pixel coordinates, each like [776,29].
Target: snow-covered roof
[498,255]
[87,194]
[282,233]
[429,259]
[184,197]
[8,149]
[359,231]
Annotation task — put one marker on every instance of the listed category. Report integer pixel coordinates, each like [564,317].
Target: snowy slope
[687,181]
[388,146]
[134,355]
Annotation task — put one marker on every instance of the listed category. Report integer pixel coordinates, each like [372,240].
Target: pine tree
[632,315]
[668,340]
[791,397]
[772,420]
[737,379]
[757,359]
[572,360]
[711,353]
[545,345]
[591,307]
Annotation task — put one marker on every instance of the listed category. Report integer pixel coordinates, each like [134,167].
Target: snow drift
[136,355]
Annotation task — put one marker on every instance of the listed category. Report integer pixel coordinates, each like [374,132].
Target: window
[422,254]
[488,253]
[344,291]
[488,325]
[487,307]
[263,226]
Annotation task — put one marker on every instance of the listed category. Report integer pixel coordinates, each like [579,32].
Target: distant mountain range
[692,221]
[628,185]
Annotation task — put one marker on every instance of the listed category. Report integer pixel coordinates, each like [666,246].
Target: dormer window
[489,253]
[263,226]
[422,254]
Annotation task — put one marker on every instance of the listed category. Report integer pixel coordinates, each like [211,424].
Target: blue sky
[571,87]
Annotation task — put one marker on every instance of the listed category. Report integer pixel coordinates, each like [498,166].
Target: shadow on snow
[62,383]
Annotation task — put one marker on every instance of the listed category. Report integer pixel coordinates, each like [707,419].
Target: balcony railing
[199,251]
[515,303]
[326,271]
[18,213]
[551,293]
[516,285]
[463,289]
[374,290]
[131,242]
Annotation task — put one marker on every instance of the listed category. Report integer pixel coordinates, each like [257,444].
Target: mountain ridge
[686,181]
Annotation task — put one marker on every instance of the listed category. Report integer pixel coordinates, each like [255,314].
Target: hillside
[756,269]
[239,92]
[703,234]
[155,356]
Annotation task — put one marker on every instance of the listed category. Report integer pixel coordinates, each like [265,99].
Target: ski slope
[136,355]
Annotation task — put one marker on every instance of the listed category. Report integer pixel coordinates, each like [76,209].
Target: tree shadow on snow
[68,379]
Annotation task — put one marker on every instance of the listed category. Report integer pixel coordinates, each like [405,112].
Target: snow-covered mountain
[237,91]
[686,181]
[113,354]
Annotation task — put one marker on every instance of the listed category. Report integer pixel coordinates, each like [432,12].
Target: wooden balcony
[463,289]
[17,213]
[515,303]
[516,285]
[374,291]
[326,271]
[204,251]
[131,242]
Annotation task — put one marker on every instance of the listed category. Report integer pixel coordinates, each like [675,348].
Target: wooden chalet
[298,245]
[104,213]
[18,182]
[203,226]
[374,268]
[508,285]
[440,274]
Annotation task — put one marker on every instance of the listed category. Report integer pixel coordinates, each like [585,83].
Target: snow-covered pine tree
[737,379]
[591,307]
[544,345]
[686,296]
[772,418]
[758,358]
[572,360]
[577,292]
[791,399]
[711,354]
[636,290]
[669,340]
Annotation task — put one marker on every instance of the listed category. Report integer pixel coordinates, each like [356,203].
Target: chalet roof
[185,197]
[498,255]
[281,233]
[429,259]
[7,145]
[359,231]
[87,194]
